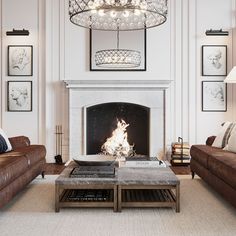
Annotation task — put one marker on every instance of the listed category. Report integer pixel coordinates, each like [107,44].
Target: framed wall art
[20,60]
[214,96]
[102,42]
[214,60]
[19,96]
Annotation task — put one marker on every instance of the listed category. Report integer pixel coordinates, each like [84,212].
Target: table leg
[57,198]
[178,198]
[119,198]
[115,201]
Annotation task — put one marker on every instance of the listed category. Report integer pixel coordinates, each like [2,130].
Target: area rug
[203,212]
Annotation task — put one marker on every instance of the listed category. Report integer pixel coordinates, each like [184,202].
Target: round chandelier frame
[125,14]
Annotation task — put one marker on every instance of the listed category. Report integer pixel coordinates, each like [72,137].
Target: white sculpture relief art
[214,60]
[19,96]
[20,60]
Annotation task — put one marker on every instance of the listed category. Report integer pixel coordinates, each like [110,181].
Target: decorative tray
[95,160]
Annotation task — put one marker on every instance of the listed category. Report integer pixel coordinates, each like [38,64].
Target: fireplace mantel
[118,84]
[86,93]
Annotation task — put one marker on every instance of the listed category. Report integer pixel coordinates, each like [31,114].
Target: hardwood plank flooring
[56,169]
[53,168]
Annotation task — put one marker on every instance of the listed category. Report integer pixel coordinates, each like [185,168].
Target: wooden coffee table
[148,187]
[131,187]
[64,184]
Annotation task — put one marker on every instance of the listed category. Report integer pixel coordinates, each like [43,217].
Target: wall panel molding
[42,71]
[192,75]
[1,59]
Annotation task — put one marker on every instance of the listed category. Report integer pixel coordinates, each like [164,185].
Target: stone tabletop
[146,176]
[64,178]
[124,176]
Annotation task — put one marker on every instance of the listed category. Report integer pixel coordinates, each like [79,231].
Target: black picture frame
[214,60]
[20,60]
[19,96]
[91,66]
[216,93]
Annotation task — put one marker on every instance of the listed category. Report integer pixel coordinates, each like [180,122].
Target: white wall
[221,16]
[61,51]
[16,14]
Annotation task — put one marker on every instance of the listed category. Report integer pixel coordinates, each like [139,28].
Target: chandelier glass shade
[111,14]
[118,58]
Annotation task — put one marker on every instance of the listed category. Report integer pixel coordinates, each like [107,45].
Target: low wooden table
[148,187]
[64,184]
[131,187]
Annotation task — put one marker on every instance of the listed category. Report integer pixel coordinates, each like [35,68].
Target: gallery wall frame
[214,96]
[20,60]
[131,40]
[214,60]
[19,96]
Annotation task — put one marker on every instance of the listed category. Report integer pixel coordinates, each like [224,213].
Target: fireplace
[95,107]
[102,119]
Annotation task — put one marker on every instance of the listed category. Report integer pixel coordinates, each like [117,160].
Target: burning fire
[117,144]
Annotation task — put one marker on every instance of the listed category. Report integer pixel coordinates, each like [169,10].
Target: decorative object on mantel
[220,32]
[115,58]
[128,55]
[231,77]
[109,14]
[15,32]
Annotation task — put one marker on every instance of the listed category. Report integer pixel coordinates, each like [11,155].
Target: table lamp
[231,77]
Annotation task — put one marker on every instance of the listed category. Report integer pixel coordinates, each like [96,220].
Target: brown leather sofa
[217,167]
[19,167]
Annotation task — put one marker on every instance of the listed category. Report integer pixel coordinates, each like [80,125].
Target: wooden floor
[56,169]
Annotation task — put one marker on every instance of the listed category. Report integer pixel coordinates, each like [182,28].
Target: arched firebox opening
[102,119]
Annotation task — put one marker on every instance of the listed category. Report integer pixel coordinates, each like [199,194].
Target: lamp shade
[231,77]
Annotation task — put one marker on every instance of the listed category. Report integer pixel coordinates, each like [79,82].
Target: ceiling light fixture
[109,14]
[118,58]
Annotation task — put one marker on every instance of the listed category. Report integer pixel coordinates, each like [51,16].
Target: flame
[117,144]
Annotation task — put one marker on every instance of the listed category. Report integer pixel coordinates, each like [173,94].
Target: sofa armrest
[19,141]
[210,140]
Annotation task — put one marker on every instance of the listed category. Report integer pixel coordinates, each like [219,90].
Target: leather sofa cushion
[12,165]
[33,153]
[201,153]
[224,167]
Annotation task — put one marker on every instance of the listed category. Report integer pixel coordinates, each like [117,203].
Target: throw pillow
[5,145]
[222,138]
[232,142]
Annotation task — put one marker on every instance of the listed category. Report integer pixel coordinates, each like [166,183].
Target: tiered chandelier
[111,14]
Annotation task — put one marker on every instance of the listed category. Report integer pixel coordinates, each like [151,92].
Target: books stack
[148,162]
[180,153]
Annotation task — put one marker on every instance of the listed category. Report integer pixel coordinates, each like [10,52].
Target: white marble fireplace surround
[83,94]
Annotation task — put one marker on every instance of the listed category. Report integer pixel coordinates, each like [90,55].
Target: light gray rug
[203,212]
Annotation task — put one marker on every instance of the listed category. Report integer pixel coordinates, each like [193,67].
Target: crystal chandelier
[118,58]
[108,14]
